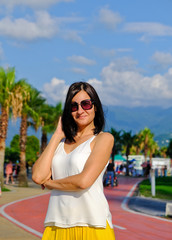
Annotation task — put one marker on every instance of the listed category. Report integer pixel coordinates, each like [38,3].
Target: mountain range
[157,119]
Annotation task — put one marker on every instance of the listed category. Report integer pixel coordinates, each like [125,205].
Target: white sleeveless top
[87,207]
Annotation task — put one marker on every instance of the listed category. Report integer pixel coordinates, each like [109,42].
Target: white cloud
[43,27]
[162,59]
[55,90]
[123,64]
[109,53]
[109,18]
[71,35]
[105,52]
[79,70]
[151,28]
[148,29]
[122,87]
[30,3]
[81,60]
[131,88]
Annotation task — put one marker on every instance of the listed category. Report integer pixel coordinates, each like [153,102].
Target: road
[30,213]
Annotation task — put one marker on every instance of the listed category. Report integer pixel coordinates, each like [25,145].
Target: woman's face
[83,117]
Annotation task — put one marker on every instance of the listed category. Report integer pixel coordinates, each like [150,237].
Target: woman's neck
[82,132]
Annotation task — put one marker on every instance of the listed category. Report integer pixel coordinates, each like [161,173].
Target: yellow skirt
[78,233]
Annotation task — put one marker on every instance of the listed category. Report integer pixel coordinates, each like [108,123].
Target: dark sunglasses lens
[74,107]
[86,104]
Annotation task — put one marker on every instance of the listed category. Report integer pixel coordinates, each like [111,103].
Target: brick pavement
[127,225]
[8,230]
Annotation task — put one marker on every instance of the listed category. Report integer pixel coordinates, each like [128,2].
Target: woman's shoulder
[105,136]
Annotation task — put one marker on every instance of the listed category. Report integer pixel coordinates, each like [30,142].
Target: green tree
[13,152]
[137,145]
[29,117]
[169,149]
[153,147]
[49,119]
[146,137]
[127,140]
[32,149]
[163,151]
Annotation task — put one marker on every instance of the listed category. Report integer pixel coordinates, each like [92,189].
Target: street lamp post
[153,182]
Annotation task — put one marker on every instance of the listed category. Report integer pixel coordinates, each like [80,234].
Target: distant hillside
[159,120]
[163,139]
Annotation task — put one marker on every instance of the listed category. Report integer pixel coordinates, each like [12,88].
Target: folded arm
[94,166]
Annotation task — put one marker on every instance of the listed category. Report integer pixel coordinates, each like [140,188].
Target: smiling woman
[72,166]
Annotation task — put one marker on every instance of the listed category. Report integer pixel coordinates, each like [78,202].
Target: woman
[72,166]
[9,172]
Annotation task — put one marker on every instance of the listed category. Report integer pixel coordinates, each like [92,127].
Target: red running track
[30,213]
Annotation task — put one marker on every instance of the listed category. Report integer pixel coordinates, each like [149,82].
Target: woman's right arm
[41,170]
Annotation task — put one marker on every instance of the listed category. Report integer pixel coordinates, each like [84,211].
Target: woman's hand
[41,170]
[59,130]
[47,184]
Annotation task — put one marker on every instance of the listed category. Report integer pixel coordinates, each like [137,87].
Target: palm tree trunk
[150,158]
[44,141]
[137,150]
[3,135]
[23,136]
[2,157]
[127,154]
[146,152]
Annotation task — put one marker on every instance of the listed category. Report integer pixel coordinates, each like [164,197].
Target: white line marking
[29,229]
[125,207]
[116,226]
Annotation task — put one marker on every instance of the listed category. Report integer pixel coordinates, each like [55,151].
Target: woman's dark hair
[68,124]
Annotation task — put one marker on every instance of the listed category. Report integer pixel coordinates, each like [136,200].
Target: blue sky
[123,48]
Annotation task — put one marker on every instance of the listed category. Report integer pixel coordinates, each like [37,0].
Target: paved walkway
[30,214]
[9,230]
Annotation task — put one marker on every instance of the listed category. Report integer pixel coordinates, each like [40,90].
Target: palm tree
[169,149]
[146,136]
[127,140]
[50,116]
[117,142]
[153,147]
[7,83]
[163,151]
[137,144]
[29,117]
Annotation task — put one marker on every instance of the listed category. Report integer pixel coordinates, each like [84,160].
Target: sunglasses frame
[77,104]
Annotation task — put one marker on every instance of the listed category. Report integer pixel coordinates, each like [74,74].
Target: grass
[163,189]
[5,189]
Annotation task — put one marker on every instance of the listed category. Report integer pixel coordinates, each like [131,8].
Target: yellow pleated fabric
[78,233]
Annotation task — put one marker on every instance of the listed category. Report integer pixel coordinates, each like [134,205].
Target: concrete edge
[125,207]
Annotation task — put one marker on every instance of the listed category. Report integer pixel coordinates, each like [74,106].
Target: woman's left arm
[94,166]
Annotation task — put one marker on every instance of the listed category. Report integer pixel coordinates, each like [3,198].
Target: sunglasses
[85,104]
